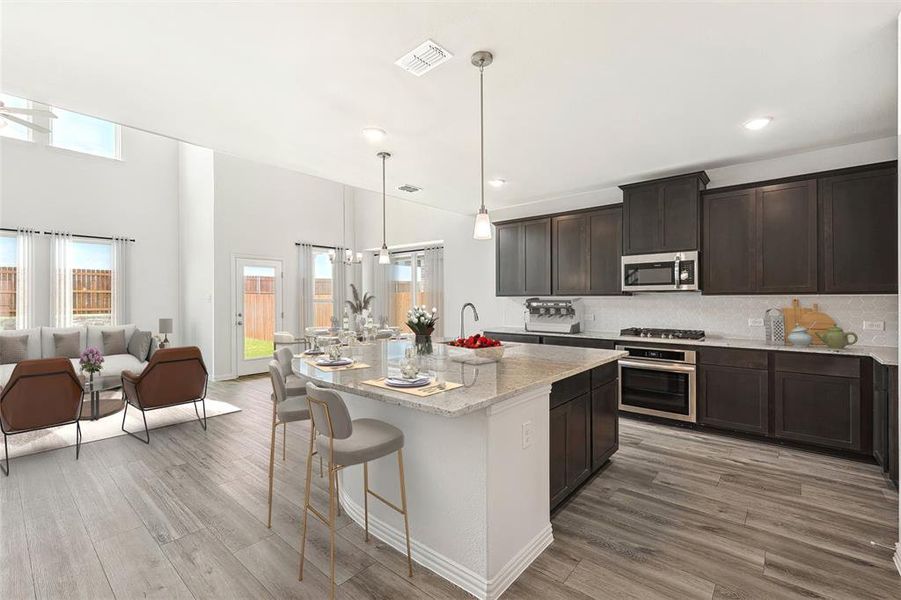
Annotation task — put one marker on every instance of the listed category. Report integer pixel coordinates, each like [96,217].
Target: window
[8,261]
[407,284]
[323,308]
[92,290]
[81,133]
[14,130]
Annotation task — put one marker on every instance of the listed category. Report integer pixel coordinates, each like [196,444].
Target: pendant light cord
[482,128]
[384,220]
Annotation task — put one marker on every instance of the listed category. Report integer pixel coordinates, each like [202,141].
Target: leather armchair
[40,394]
[173,376]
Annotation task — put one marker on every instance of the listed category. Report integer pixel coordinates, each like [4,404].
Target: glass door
[258,314]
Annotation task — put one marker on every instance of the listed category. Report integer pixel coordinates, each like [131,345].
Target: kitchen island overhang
[476,459]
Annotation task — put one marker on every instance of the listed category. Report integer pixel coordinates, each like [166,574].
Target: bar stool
[295,385]
[349,442]
[285,409]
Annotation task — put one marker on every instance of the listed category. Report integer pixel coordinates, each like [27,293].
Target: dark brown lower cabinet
[733,398]
[570,447]
[604,423]
[522,338]
[818,409]
[578,342]
[880,416]
[892,383]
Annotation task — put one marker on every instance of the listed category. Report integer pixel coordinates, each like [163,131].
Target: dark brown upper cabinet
[663,215]
[587,252]
[787,238]
[570,254]
[858,237]
[761,240]
[523,260]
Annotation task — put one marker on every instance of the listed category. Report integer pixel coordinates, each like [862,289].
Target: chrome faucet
[475,314]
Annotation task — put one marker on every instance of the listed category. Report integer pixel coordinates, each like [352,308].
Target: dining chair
[346,443]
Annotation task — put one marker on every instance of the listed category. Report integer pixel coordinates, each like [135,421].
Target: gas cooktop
[667,334]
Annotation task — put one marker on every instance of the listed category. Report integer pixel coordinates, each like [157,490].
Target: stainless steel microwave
[665,272]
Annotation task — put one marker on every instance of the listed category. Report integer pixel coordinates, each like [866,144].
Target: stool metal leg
[403,504]
[285,442]
[332,501]
[271,470]
[366,500]
[306,502]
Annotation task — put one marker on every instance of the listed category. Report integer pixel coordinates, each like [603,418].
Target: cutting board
[813,319]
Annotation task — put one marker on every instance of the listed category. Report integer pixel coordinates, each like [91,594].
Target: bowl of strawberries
[476,349]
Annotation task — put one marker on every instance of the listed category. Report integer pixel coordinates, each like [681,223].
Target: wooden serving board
[813,319]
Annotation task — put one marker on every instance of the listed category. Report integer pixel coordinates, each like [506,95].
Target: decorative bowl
[476,356]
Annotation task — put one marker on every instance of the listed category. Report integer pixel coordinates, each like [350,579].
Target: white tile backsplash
[724,316]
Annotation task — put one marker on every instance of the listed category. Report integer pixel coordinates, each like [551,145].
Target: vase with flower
[91,361]
[422,323]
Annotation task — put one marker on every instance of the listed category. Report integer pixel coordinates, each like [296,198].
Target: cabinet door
[558,435]
[729,257]
[570,257]
[522,338]
[537,257]
[604,423]
[857,238]
[880,416]
[509,260]
[787,238]
[733,398]
[892,458]
[605,249]
[679,206]
[641,219]
[578,441]
[818,409]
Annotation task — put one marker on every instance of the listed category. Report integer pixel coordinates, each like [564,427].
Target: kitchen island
[476,458]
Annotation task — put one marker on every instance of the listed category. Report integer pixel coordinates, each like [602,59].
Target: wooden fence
[7,292]
[91,292]
[259,307]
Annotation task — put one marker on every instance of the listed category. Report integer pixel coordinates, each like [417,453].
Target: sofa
[42,343]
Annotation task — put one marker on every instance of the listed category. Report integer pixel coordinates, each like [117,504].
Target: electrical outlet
[527,432]
[589,316]
[755,322]
[874,325]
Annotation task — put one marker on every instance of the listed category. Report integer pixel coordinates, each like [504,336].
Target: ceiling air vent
[423,58]
[409,188]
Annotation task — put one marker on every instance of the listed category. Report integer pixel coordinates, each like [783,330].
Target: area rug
[110,426]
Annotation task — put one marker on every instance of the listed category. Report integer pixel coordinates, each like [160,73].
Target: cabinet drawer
[818,364]
[567,389]
[578,342]
[522,338]
[729,357]
[604,374]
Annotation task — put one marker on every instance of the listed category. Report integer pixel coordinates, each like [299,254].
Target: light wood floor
[677,514]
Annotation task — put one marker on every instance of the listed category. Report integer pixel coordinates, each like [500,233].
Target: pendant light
[482,228]
[384,257]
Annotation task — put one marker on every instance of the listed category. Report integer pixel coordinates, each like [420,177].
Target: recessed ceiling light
[374,135]
[497,183]
[757,123]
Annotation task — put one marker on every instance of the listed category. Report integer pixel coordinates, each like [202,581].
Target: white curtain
[119,280]
[25,239]
[380,276]
[61,278]
[306,315]
[433,280]
[339,284]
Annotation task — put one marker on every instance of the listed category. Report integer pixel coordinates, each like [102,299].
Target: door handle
[239,323]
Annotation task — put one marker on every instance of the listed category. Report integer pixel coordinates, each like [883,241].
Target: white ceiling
[580,96]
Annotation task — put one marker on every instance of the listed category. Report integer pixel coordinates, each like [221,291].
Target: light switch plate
[874,325]
[527,434]
[755,322]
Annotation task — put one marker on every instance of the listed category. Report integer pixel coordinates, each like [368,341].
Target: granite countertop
[523,368]
[884,354]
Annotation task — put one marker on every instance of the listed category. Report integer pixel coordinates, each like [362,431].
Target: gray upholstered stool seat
[295,386]
[371,439]
[293,408]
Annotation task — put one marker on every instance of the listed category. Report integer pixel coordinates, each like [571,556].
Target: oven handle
[657,366]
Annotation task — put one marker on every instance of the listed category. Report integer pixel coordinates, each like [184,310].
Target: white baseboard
[226,377]
[461,576]
[897,557]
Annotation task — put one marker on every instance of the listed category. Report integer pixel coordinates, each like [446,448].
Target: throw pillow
[13,349]
[67,345]
[114,342]
[139,344]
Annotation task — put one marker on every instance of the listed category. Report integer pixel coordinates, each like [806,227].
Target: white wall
[261,211]
[194,321]
[48,188]
[468,264]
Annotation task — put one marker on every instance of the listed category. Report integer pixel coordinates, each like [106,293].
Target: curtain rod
[78,235]
[316,246]
[412,249]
